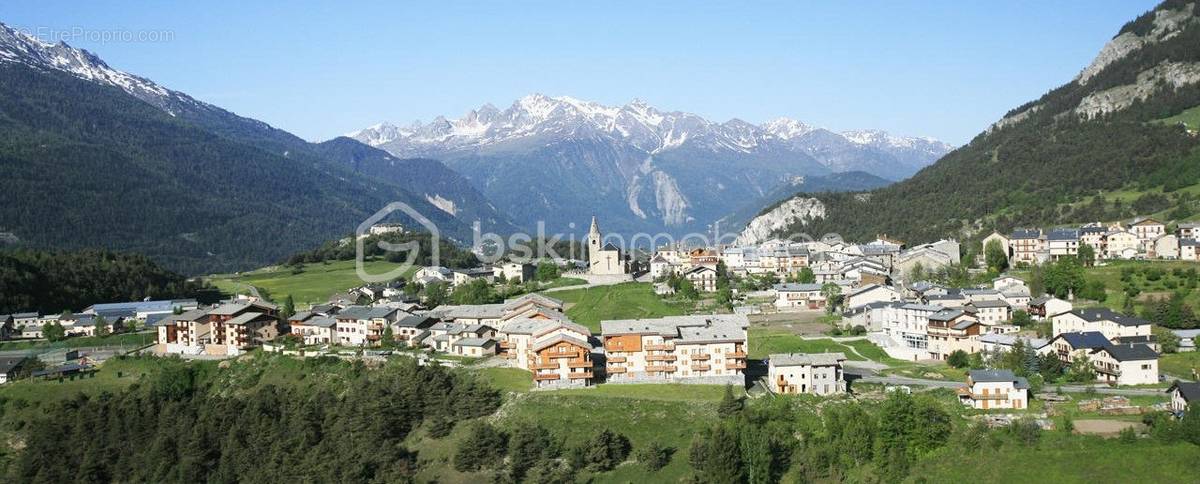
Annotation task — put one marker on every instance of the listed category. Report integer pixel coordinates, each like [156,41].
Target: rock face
[768,225]
[1153,28]
[1170,74]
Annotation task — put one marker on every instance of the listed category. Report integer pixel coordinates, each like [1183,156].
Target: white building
[796,296]
[1126,364]
[994,389]
[1103,320]
[806,373]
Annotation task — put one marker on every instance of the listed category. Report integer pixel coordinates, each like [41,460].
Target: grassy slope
[130,340]
[765,341]
[314,285]
[1190,118]
[1064,460]
[622,301]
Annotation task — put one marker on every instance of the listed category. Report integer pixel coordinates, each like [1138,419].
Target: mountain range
[637,167]
[91,156]
[1107,145]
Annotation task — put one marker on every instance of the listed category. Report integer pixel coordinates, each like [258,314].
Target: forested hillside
[1047,160]
[51,282]
[85,165]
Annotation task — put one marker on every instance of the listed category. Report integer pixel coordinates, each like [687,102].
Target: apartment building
[1106,321]
[991,312]
[952,330]
[794,296]
[994,389]
[806,373]
[1026,246]
[363,325]
[685,349]
[1126,364]
[1069,346]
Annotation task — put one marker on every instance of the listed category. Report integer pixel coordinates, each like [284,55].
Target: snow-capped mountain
[645,167]
[363,171]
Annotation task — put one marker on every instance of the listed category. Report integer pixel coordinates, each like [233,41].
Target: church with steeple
[604,260]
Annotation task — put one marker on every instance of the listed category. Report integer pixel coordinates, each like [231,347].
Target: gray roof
[365,312]
[321,322]
[415,321]
[244,318]
[984,376]
[228,309]
[1084,340]
[933,308]
[795,287]
[946,314]
[559,338]
[806,359]
[1130,352]
[25,315]
[990,304]
[1105,314]
[733,325]
[1025,234]
[1189,390]
[10,363]
[475,342]
[1063,234]
[1009,340]
[477,311]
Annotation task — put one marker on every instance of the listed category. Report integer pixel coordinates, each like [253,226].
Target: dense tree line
[56,281]
[184,426]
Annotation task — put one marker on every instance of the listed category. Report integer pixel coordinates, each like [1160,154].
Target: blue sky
[319,69]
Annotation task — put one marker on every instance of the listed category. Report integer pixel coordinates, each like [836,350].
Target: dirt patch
[1106,428]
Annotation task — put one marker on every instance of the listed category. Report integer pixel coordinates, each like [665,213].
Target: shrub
[654,456]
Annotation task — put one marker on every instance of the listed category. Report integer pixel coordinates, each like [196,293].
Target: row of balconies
[555,376]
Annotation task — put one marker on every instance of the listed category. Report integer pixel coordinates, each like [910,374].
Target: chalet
[1069,346]
[411,329]
[464,276]
[1048,306]
[519,336]
[1188,249]
[186,333]
[9,367]
[806,373]
[952,330]
[707,349]
[1147,229]
[1063,243]
[514,271]
[1120,244]
[1188,230]
[704,278]
[991,312]
[443,336]
[1183,395]
[994,389]
[1104,320]
[244,331]
[1126,364]
[474,347]
[1163,247]
[363,325]
[315,330]
[26,320]
[1027,246]
[661,267]
[426,275]
[871,293]
[562,359]
[792,295]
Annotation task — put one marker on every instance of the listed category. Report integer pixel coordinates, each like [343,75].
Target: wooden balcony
[735,365]
[580,364]
[700,357]
[701,366]
[545,377]
[660,347]
[580,375]
[665,368]
[543,366]
[616,359]
[966,392]
[507,345]
[739,355]
[617,369]
[660,357]
[569,354]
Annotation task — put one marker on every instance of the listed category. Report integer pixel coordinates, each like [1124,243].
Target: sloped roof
[1130,352]
[806,359]
[1084,340]
[1189,390]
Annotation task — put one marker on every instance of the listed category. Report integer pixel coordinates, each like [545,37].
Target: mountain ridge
[639,168]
